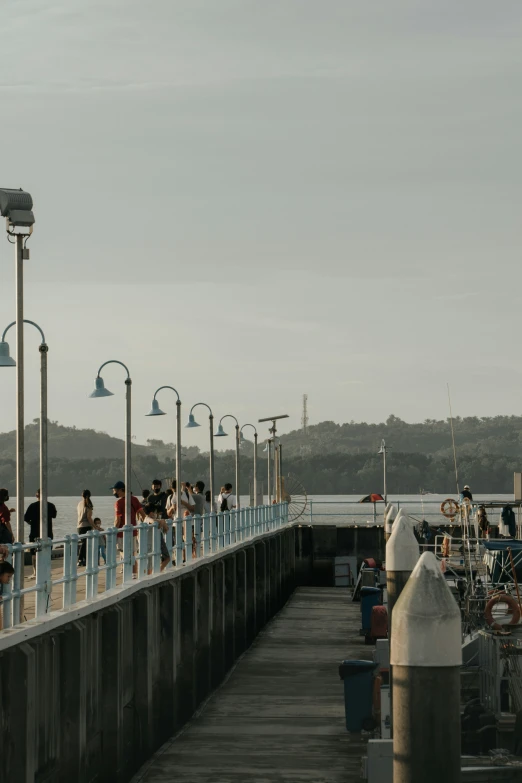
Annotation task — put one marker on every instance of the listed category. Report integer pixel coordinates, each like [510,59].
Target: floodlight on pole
[16,205]
[193,423]
[273,430]
[155,410]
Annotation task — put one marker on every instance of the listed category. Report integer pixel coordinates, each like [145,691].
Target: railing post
[95,562]
[128,546]
[89,570]
[221,530]
[234,523]
[18,565]
[43,578]
[110,573]
[214,543]
[206,534]
[144,535]
[74,568]
[156,548]
[188,538]
[7,603]
[179,542]
[198,524]
[168,537]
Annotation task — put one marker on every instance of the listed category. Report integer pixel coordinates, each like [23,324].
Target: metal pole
[269,444]
[280,499]
[384,461]
[255,469]
[20,493]
[211,420]
[178,459]
[238,492]
[128,440]
[44,516]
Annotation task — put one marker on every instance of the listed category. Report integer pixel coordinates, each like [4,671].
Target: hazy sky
[253,199]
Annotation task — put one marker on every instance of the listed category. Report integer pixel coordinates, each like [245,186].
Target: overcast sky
[253,199]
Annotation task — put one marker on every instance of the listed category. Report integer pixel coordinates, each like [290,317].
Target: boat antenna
[453,441]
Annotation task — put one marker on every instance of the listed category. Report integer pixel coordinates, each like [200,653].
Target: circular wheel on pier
[295,495]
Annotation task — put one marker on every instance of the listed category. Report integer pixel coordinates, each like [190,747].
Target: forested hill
[329,459]
[501,435]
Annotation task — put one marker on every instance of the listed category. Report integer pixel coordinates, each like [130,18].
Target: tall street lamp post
[155,410]
[193,423]
[101,391]
[16,206]
[7,361]
[273,432]
[222,434]
[241,439]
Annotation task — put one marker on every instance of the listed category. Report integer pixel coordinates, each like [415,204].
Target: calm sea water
[322,509]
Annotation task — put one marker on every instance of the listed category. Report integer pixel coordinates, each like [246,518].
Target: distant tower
[304,418]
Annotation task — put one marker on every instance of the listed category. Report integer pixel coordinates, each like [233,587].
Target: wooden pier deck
[280,714]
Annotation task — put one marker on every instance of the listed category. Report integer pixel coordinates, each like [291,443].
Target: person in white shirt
[226,500]
[187,502]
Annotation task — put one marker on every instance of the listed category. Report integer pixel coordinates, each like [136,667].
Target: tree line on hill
[329,474]
[329,458]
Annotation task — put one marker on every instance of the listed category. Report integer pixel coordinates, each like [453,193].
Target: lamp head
[16,206]
[241,437]
[5,359]
[99,389]
[220,432]
[191,422]
[155,410]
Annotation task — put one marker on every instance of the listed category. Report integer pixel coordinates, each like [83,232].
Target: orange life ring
[446,543]
[514,609]
[449,508]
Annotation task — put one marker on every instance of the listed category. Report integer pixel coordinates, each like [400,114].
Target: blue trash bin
[358,694]
[370,597]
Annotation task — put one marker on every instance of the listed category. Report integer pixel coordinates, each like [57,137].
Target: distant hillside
[330,459]
[73,443]
[500,435]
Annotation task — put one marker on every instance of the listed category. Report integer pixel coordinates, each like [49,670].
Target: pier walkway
[279,716]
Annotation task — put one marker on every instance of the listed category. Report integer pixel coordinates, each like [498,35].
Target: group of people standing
[156,505]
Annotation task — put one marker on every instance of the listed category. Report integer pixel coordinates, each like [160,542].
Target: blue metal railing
[187,539]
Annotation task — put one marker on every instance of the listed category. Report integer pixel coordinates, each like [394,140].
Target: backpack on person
[224,504]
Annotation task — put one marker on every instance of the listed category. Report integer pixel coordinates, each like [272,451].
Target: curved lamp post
[222,434]
[155,410]
[101,391]
[7,361]
[241,439]
[193,423]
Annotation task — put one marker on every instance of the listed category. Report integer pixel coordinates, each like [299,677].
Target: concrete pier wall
[93,699]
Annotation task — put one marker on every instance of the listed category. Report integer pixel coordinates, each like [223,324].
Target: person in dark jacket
[466,493]
[32,517]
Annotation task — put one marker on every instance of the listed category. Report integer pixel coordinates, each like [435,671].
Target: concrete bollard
[402,554]
[426,657]
[389,517]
